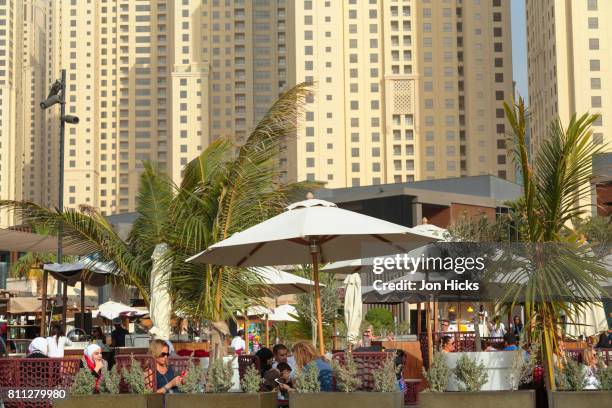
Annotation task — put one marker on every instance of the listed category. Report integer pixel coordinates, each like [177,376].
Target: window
[593,43]
[593,23]
[499,95]
[596,101]
[595,83]
[310,162]
[597,138]
[499,77]
[594,65]
[592,5]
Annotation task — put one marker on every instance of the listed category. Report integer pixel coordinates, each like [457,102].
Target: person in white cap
[38,348]
[93,360]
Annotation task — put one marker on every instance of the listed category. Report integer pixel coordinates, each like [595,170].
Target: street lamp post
[57,94]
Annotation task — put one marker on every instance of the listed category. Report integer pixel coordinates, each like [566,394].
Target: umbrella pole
[65,306]
[419,318]
[246,334]
[267,333]
[314,251]
[82,304]
[429,334]
[43,309]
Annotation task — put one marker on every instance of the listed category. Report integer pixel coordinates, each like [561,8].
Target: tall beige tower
[405,90]
[569,49]
[157,81]
[23,54]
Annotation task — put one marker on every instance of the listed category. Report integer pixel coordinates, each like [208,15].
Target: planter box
[347,400]
[482,399]
[114,401]
[225,400]
[573,399]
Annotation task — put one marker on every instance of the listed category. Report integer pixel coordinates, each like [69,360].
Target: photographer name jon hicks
[408,285]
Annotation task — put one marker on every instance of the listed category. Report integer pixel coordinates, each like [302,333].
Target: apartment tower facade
[569,49]
[405,90]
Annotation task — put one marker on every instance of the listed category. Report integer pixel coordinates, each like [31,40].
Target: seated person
[605,340]
[167,380]
[37,348]
[281,355]
[265,356]
[284,382]
[487,346]
[306,356]
[269,379]
[510,342]
[448,344]
[92,359]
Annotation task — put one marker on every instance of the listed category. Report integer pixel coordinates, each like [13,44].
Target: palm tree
[224,190]
[557,268]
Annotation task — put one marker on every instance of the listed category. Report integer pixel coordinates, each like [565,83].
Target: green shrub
[346,376]
[84,383]
[307,379]
[385,378]
[471,376]
[438,374]
[604,375]
[219,376]
[193,381]
[110,381]
[571,377]
[380,319]
[251,382]
[134,376]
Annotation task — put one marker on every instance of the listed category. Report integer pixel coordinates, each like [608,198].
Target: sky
[519,47]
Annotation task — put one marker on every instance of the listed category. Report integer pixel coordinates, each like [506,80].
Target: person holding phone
[167,380]
[284,381]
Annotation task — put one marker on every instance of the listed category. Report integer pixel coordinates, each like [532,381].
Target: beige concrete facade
[569,48]
[405,90]
[22,85]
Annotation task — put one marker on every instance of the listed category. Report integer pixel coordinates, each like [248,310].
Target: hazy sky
[519,47]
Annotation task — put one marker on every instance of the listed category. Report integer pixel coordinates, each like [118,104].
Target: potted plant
[307,388]
[471,376]
[83,391]
[217,382]
[571,390]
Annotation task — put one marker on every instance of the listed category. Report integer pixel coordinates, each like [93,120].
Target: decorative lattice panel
[147,363]
[367,363]
[403,96]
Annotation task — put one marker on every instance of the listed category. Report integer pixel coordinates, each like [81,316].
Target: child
[284,382]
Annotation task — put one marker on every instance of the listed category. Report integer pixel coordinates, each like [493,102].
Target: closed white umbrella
[312,231]
[352,307]
[160,307]
[588,322]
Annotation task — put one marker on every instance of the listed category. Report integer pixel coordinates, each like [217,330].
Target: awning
[94,274]
[20,305]
[19,241]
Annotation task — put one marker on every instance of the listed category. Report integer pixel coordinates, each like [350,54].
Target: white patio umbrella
[160,307]
[110,310]
[352,307]
[283,283]
[283,313]
[311,232]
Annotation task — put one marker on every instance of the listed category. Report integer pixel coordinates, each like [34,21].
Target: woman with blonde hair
[591,364]
[167,380]
[306,356]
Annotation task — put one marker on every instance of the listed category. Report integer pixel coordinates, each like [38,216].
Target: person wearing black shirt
[118,335]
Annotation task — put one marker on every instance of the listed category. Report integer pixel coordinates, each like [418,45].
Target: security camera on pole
[57,94]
